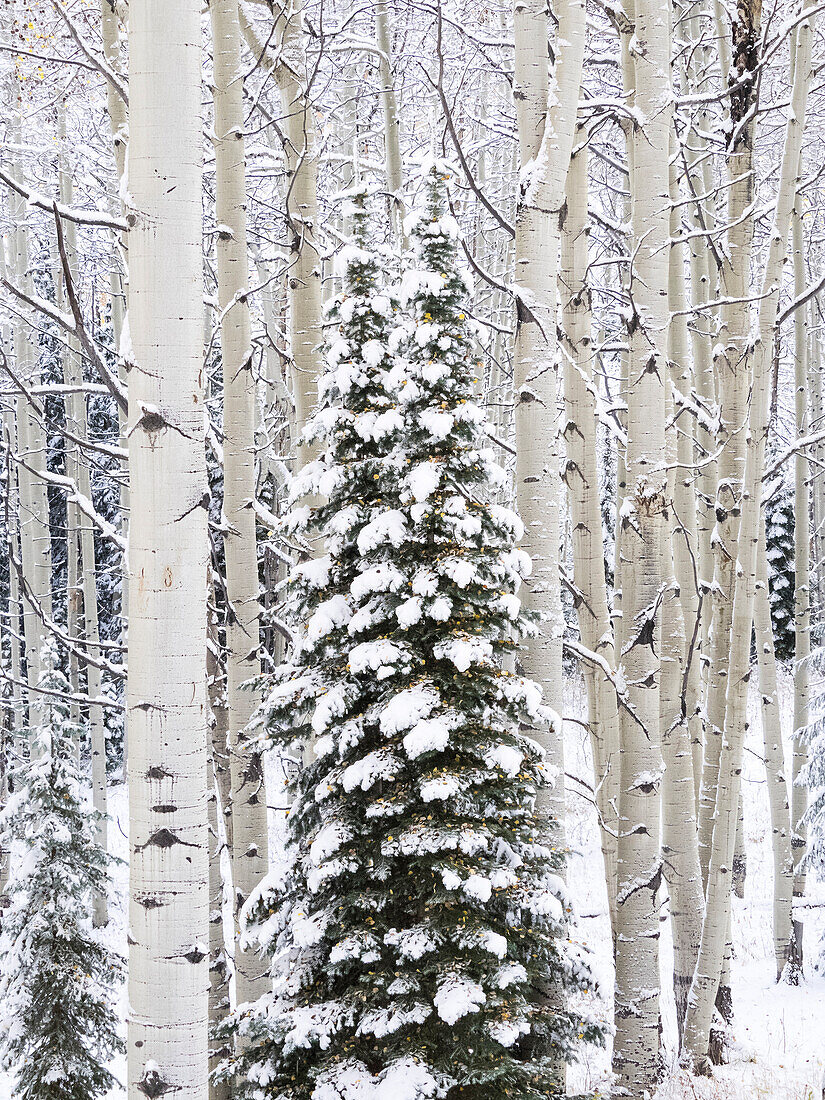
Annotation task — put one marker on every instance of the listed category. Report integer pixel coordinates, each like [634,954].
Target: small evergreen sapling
[58,1028]
[418,930]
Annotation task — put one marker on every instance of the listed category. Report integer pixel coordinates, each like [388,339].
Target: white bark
[802,570]
[168,835]
[392,121]
[680,702]
[775,768]
[545,128]
[581,477]
[82,590]
[645,569]
[717,914]
[250,848]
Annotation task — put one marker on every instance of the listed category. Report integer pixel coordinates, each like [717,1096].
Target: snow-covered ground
[779,1052]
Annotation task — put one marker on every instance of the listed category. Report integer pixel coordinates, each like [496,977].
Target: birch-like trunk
[219,832]
[545,132]
[250,847]
[392,120]
[733,379]
[168,834]
[680,702]
[35,532]
[645,554]
[802,591]
[581,477]
[81,548]
[775,767]
[718,894]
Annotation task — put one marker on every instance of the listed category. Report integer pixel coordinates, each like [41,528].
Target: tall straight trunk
[733,380]
[219,830]
[168,834]
[680,702]
[117,112]
[775,767]
[35,532]
[581,476]
[392,121]
[802,591]
[81,540]
[545,134]
[718,895]
[645,554]
[286,58]
[250,847]
[816,482]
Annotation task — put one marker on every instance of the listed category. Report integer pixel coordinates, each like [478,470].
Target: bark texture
[168,834]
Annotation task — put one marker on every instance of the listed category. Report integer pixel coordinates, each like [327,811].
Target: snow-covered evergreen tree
[779,549]
[418,930]
[58,1026]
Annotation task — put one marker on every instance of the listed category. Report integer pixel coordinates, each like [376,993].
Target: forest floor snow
[779,1048]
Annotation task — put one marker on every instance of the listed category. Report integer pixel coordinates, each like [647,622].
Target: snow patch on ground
[779,1052]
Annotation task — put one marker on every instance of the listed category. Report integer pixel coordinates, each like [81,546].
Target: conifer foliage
[57,978]
[418,930]
[779,549]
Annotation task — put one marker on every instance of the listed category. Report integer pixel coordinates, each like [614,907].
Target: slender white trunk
[35,533]
[545,128]
[717,913]
[392,121]
[775,768]
[802,570]
[220,826]
[680,702]
[733,380]
[645,569]
[168,834]
[250,848]
[81,546]
[581,477]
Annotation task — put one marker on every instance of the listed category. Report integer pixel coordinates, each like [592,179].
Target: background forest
[412,549]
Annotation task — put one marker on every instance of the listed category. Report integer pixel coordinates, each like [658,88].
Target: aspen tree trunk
[581,476]
[645,568]
[802,591]
[219,794]
[169,839]
[392,122]
[718,895]
[12,547]
[250,847]
[775,769]
[115,104]
[82,541]
[287,61]
[733,381]
[816,481]
[116,109]
[35,533]
[545,130]
[680,702]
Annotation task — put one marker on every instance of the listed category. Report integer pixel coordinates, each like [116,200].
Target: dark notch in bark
[165,838]
[157,771]
[152,1084]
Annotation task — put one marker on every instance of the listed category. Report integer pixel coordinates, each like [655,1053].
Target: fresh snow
[458,996]
[428,735]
